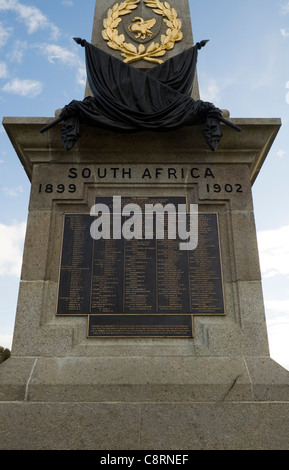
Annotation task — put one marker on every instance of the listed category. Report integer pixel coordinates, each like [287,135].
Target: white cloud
[284,33]
[285,8]
[278,334]
[13,192]
[211,92]
[17,52]
[4,35]
[81,76]
[3,70]
[6,341]
[68,3]
[53,52]
[277,306]
[32,17]
[287,95]
[11,248]
[24,88]
[274,252]
[281,153]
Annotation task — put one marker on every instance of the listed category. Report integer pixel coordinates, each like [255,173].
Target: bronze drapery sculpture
[127,99]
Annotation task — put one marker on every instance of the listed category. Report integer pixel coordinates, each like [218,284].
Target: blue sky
[244,68]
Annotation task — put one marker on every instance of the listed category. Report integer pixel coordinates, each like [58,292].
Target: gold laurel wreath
[129,51]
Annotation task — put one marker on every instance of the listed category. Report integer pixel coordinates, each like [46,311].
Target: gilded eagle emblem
[142,28]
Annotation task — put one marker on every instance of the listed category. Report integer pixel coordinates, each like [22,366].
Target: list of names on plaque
[205,269]
[173,281]
[139,277]
[107,277]
[75,274]
[128,278]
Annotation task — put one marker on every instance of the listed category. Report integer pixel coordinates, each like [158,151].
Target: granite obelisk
[88,370]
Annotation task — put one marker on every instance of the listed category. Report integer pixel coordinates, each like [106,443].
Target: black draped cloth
[127,99]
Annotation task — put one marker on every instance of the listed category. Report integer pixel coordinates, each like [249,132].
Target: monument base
[141,403]
[216,390]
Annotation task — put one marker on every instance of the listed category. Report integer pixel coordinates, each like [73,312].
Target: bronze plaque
[176,326]
[118,282]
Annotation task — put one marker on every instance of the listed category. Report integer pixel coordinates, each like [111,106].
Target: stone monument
[133,344]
